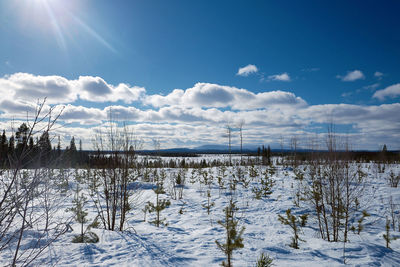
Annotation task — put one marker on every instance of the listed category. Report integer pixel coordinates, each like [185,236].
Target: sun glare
[59,19]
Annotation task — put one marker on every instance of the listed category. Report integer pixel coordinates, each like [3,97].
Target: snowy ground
[189,238]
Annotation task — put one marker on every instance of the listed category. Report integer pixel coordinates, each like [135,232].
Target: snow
[189,238]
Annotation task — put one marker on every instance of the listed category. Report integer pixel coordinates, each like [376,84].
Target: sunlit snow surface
[189,238]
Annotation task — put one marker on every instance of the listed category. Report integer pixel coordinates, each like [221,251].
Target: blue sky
[286,68]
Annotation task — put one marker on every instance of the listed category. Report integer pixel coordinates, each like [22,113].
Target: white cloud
[16,108]
[82,115]
[352,76]
[95,89]
[59,90]
[172,98]
[391,91]
[28,87]
[280,77]
[196,115]
[220,96]
[378,74]
[247,70]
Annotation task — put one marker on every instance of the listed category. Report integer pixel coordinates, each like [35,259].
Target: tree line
[40,152]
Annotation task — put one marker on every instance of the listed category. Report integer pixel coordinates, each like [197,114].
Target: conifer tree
[72,152]
[11,146]
[387,236]
[264,261]
[293,222]
[21,136]
[79,202]
[45,148]
[234,238]
[209,203]
[160,204]
[266,187]
[3,148]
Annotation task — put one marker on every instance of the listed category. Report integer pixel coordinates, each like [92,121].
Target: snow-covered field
[189,238]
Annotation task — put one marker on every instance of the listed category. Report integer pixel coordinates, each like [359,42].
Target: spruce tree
[3,148]
[11,146]
[45,148]
[72,152]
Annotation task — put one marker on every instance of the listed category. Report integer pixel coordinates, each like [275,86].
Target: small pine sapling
[299,175]
[387,236]
[271,170]
[209,204]
[393,179]
[264,261]
[253,173]
[303,219]
[207,179]
[193,176]
[266,187]
[234,238]
[221,179]
[182,208]
[360,221]
[232,183]
[160,204]
[79,202]
[293,222]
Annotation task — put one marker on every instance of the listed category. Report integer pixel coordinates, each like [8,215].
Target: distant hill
[221,149]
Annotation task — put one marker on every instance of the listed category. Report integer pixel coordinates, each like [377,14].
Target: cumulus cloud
[82,115]
[391,91]
[247,70]
[159,101]
[28,87]
[181,126]
[59,90]
[221,96]
[195,115]
[351,76]
[280,77]
[95,89]
[16,108]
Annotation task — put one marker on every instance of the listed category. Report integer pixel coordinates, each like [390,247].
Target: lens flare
[60,18]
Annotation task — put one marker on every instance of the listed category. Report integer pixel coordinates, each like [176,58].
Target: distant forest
[29,152]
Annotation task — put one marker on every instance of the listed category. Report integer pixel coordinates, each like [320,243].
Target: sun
[60,20]
[47,17]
